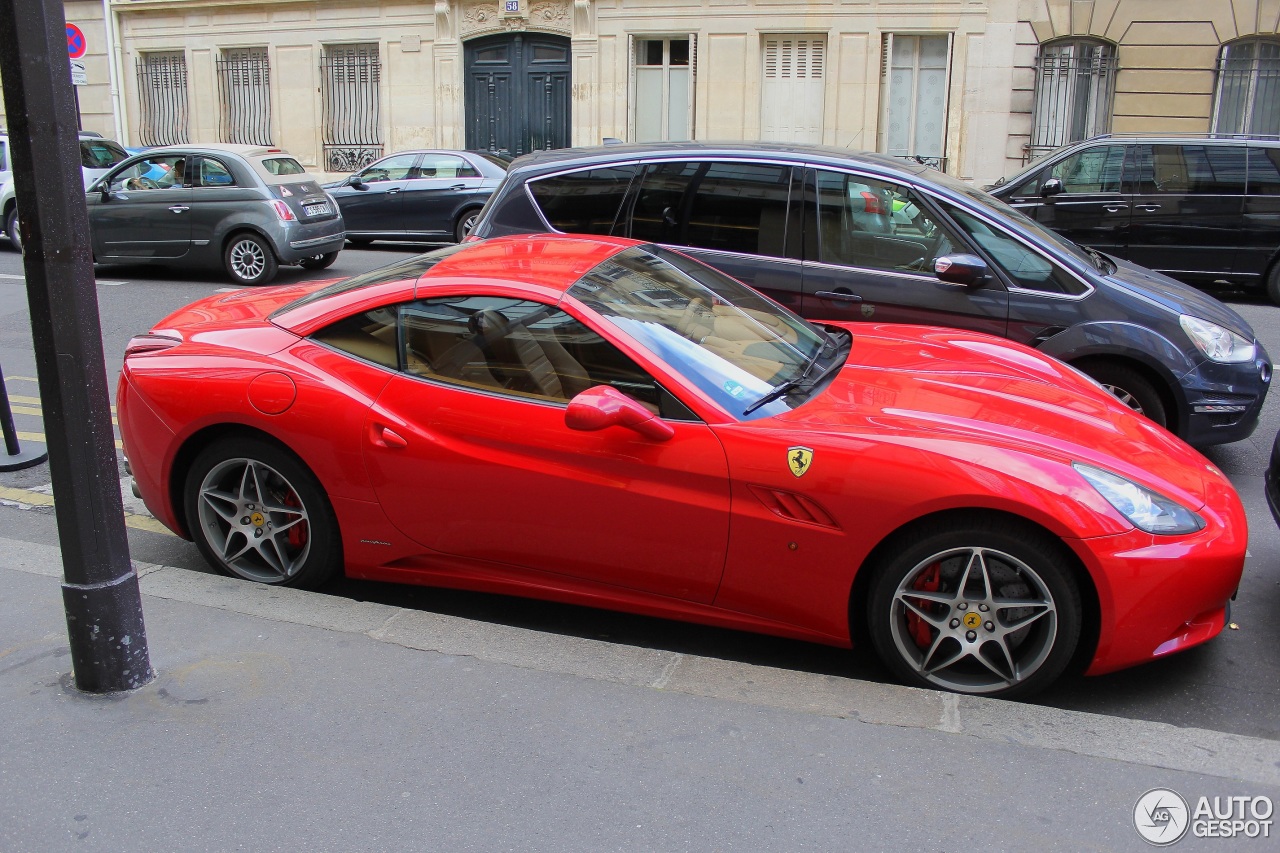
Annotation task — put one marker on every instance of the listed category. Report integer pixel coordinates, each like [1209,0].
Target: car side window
[1094,170]
[211,173]
[864,222]
[583,202]
[397,168]
[1264,171]
[1027,268]
[516,347]
[719,205]
[445,166]
[1191,169]
[151,173]
[370,335]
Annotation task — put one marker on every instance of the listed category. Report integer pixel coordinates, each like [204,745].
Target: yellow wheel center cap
[972,620]
[257,519]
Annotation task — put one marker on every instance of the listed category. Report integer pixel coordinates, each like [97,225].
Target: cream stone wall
[1167,51]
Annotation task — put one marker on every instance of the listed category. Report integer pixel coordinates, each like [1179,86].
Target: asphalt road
[1231,684]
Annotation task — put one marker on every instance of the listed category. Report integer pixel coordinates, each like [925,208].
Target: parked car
[1201,209]
[97,157]
[431,196]
[604,422]
[243,207]
[834,234]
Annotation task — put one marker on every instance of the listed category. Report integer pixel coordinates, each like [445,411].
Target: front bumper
[1163,594]
[1223,401]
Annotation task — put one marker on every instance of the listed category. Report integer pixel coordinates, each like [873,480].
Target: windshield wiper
[791,384]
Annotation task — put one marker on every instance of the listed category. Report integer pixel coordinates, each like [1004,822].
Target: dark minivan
[1201,209]
[838,235]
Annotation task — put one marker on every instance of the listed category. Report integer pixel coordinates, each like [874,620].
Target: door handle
[458,187]
[838,297]
[1115,208]
[179,208]
[393,191]
[386,437]
[1147,207]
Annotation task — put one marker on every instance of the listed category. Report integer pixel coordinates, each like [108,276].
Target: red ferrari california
[609,423]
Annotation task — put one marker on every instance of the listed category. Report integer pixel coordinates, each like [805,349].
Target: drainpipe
[114,61]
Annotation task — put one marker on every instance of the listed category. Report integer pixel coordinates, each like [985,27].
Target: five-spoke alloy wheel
[256,512]
[990,609]
[250,260]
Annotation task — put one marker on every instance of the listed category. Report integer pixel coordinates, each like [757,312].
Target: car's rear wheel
[1273,283]
[250,260]
[257,512]
[987,607]
[11,230]
[319,262]
[1131,388]
[465,223]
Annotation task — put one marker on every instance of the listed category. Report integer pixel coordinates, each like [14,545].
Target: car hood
[1174,295]
[933,383]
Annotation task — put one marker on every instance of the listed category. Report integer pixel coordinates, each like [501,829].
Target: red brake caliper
[928,581]
[297,533]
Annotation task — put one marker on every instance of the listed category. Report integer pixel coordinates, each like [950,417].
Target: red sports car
[610,423]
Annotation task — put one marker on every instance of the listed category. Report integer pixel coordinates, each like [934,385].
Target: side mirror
[355,181]
[1053,186]
[602,407]
[961,269]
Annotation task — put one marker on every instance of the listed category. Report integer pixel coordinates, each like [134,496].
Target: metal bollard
[14,457]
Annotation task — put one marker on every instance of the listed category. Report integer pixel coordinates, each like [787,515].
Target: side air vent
[794,507]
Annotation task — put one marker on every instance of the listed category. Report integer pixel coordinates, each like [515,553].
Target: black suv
[1201,209]
[837,235]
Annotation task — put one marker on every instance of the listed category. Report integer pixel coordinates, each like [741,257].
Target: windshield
[729,341]
[995,206]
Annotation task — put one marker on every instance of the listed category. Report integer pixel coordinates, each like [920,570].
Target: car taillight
[283,211]
[873,204]
[140,344]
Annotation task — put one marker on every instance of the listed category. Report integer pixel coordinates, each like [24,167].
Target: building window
[349,77]
[662,89]
[244,86]
[1247,99]
[793,89]
[1075,82]
[162,98]
[913,73]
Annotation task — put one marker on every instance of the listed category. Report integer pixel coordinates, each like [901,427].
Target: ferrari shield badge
[799,459]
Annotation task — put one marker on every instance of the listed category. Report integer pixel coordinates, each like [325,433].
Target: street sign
[76,42]
[78,75]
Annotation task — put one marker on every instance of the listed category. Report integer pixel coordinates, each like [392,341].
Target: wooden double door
[517,93]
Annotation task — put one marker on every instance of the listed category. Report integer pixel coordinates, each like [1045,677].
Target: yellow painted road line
[20,379]
[30,498]
[26,410]
[35,401]
[39,436]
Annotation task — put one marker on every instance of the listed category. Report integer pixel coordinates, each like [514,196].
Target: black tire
[249,259]
[466,221]
[1273,284]
[11,230]
[319,262]
[939,647]
[1131,388]
[290,538]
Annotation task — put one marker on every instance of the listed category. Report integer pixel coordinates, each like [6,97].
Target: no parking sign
[76,43]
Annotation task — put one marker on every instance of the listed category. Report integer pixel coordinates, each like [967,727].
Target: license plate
[317,209]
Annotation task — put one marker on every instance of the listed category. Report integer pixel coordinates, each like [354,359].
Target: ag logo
[799,459]
[1161,817]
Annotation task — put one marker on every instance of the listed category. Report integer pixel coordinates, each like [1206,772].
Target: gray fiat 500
[838,235]
[245,208]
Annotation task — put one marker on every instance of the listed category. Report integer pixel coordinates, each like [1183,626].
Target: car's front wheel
[319,262]
[11,230]
[987,607]
[250,260]
[257,512]
[1131,388]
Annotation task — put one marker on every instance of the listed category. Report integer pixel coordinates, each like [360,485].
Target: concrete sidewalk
[285,720]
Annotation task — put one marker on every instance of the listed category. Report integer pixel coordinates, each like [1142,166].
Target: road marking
[102,281]
[35,401]
[20,379]
[26,499]
[230,289]
[39,437]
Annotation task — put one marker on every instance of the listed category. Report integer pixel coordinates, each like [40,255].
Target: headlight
[1215,342]
[1144,508]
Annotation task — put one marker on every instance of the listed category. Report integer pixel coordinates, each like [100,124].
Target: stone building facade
[975,85]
